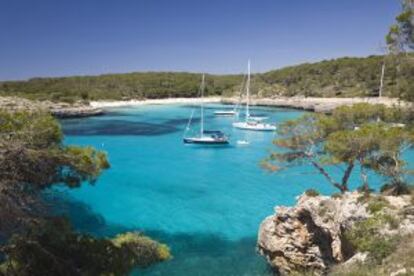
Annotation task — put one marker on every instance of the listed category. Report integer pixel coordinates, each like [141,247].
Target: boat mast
[248,91]
[382,80]
[202,107]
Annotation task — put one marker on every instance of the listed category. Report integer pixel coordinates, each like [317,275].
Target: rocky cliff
[311,236]
[61,110]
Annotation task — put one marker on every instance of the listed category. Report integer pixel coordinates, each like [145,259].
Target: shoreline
[108,104]
[96,108]
[322,105]
[319,105]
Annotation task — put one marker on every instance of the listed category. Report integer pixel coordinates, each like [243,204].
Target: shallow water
[205,203]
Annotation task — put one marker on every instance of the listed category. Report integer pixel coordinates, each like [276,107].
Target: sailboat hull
[203,141]
[225,113]
[254,126]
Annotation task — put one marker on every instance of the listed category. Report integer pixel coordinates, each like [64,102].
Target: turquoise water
[205,203]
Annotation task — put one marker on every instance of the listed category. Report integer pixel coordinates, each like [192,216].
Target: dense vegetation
[388,249]
[400,42]
[343,77]
[118,86]
[372,137]
[32,159]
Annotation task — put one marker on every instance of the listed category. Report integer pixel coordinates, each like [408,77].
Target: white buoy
[242,142]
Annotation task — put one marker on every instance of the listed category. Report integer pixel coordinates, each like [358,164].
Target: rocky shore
[94,108]
[324,105]
[311,236]
[60,110]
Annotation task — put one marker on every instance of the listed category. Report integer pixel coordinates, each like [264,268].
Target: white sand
[103,104]
[309,103]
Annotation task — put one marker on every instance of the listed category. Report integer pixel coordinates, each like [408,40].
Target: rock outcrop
[61,110]
[323,105]
[311,235]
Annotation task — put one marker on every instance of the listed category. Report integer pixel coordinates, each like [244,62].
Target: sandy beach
[309,103]
[103,104]
[94,108]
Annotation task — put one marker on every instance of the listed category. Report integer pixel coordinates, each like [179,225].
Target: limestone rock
[310,235]
[61,110]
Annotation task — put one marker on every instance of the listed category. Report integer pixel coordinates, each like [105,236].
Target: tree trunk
[342,188]
[364,178]
[347,175]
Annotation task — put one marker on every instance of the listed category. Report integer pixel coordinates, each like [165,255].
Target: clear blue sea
[206,203]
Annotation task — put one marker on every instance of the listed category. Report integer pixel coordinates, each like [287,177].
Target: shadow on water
[117,127]
[119,113]
[79,127]
[184,121]
[193,253]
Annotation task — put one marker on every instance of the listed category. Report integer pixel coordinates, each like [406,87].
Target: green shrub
[402,257]
[312,192]
[392,221]
[376,204]
[364,198]
[365,236]
[381,248]
[78,254]
[145,250]
[336,195]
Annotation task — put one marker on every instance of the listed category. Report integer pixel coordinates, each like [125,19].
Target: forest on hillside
[343,77]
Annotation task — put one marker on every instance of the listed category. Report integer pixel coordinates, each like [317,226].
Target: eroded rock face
[292,241]
[310,236]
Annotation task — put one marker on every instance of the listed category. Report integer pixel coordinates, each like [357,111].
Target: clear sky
[78,37]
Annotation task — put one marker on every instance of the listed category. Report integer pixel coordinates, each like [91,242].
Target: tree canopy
[400,37]
[400,42]
[370,136]
[33,158]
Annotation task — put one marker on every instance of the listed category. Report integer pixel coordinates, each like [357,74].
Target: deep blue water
[205,203]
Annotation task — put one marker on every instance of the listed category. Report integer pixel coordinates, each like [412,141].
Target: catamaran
[252,122]
[206,137]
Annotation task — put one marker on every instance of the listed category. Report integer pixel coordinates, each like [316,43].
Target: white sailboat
[206,137]
[232,112]
[252,122]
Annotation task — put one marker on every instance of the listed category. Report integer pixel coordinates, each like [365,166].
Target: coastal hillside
[343,77]
[144,85]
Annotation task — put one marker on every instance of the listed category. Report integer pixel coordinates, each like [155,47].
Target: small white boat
[252,122]
[254,125]
[243,142]
[206,137]
[226,113]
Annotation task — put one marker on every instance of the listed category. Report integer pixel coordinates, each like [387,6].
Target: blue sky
[79,37]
